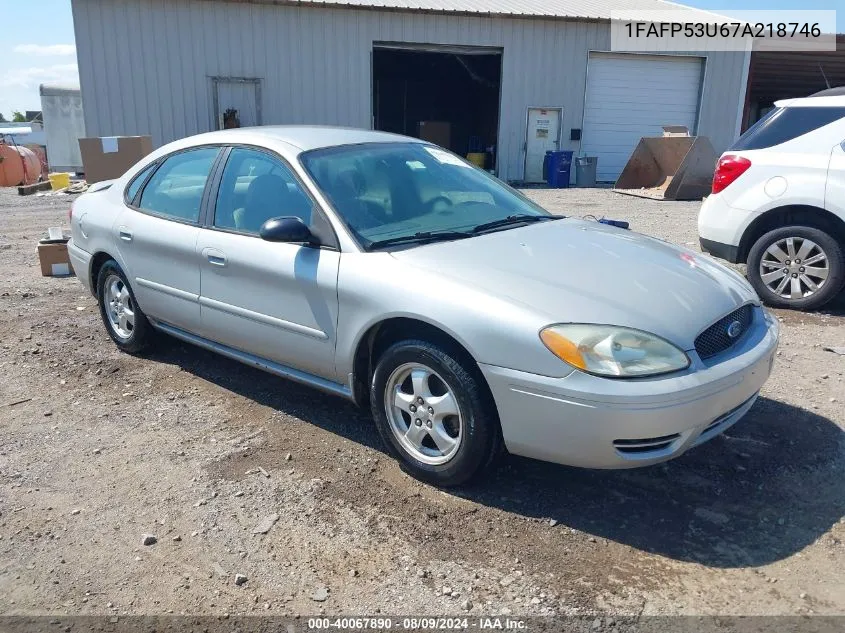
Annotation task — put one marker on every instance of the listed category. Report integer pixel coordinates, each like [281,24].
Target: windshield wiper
[421,238]
[513,219]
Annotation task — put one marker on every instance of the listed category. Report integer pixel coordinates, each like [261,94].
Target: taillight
[728,169]
[70,214]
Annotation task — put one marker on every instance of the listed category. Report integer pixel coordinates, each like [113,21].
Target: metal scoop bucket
[675,166]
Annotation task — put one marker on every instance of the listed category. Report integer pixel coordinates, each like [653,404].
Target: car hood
[574,271]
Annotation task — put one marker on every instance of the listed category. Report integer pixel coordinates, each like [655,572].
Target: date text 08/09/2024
[417,624]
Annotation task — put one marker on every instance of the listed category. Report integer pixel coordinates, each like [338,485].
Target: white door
[542,134]
[630,96]
[835,193]
[241,96]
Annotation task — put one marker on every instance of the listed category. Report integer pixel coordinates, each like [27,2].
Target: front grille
[645,444]
[716,339]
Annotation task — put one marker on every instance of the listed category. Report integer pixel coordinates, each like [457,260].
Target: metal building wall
[145,66]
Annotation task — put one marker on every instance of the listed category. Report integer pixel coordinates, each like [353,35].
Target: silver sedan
[391,272]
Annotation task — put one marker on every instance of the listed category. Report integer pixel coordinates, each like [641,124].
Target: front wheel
[798,267]
[125,322]
[434,412]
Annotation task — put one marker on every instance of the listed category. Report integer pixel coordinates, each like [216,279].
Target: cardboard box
[437,132]
[108,157]
[54,259]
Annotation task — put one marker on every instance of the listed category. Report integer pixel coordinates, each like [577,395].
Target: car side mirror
[287,229]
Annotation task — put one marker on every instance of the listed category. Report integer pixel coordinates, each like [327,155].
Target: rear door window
[784,124]
[175,189]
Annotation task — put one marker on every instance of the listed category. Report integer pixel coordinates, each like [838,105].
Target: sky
[768,5]
[40,51]
[34,51]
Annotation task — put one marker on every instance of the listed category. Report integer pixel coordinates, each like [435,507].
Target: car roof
[301,137]
[830,92]
[820,101]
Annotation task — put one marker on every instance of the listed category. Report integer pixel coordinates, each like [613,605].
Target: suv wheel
[125,322]
[434,413]
[796,267]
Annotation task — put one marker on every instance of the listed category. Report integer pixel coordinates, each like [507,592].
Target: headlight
[608,350]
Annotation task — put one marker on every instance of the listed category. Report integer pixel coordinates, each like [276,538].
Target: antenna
[827,83]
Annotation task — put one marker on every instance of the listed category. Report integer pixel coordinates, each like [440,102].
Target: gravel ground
[261,496]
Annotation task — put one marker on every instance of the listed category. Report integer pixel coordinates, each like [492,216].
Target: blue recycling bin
[556,166]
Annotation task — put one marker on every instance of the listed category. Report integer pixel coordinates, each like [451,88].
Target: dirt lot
[198,451]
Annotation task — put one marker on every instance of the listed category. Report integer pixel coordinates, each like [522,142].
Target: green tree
[18,117]
[2,118]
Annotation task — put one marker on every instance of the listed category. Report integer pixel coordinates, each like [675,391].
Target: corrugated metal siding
[145,66]
[579,9]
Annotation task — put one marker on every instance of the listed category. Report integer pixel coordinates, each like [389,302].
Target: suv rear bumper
[727,252]
[721,227]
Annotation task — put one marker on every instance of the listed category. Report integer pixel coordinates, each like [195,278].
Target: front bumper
[593,422]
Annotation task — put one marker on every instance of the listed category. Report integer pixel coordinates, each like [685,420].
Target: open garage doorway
[448,95]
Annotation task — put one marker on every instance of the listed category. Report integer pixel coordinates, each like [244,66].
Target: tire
[475,429]
[766,257]
[126,324]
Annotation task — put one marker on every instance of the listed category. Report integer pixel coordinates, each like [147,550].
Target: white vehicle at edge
[778,203]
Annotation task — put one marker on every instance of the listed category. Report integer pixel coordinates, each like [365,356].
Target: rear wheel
[434,412]
[797,267]
[125,322]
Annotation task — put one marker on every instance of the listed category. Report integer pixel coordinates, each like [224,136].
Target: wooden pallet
[28,190]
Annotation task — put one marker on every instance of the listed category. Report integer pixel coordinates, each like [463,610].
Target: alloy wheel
[120,309]
[794,268]
[423,413]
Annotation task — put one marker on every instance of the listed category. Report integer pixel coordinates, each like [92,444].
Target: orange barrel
[41,153]
[18,166]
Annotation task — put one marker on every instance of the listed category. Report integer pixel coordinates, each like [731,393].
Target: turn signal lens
[563,348]
[609,350]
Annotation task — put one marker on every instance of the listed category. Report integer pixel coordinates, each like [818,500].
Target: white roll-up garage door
[630,96]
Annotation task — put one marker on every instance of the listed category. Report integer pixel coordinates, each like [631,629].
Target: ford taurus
[391,272]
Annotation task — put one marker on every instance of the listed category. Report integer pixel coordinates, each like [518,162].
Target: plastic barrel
[59,181]
[585,171]
[477,158]
[559,164]
[18,166]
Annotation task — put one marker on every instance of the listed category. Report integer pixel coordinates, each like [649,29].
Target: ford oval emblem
[734,329]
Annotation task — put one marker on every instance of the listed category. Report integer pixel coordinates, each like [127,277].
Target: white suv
[778,203]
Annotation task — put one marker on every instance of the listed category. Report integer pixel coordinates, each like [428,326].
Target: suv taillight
[728,169]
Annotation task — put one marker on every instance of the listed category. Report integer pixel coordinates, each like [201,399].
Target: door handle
[214,256]
[125,234]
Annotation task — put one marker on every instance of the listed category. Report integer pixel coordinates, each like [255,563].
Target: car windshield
[392,193]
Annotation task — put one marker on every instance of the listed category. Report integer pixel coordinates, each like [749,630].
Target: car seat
[266,197]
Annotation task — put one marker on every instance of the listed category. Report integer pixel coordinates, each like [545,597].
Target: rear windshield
[784,124]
